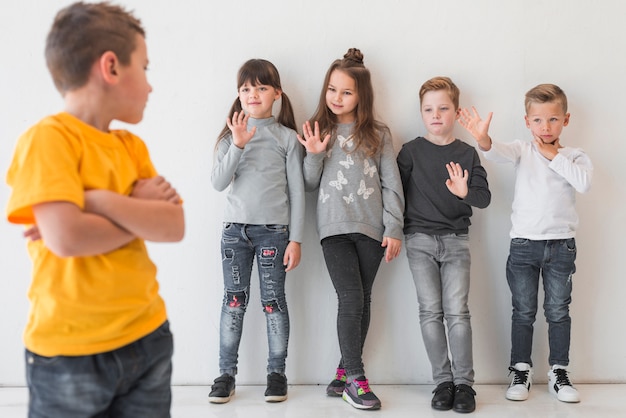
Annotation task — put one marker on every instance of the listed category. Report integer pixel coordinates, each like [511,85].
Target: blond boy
[544,223]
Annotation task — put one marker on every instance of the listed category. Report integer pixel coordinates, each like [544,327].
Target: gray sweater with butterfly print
[356,194]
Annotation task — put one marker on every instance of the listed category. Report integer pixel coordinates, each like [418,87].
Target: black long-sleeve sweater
[430,208]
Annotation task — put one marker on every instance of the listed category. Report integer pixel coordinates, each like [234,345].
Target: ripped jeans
[240,244]
[554,259]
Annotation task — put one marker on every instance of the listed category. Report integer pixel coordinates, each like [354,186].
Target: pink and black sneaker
[336,387]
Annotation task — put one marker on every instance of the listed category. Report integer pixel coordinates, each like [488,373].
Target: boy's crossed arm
[111,220]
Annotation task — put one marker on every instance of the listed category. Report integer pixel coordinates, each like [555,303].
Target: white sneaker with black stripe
[560,385]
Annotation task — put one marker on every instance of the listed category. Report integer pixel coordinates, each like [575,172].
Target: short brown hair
[81,33]
[546,93]
[441,83]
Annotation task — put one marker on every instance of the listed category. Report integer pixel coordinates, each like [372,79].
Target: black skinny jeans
[352,261]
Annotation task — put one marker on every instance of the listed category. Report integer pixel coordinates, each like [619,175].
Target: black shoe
[464,399]
[276,388]
[444,396]
[223,389]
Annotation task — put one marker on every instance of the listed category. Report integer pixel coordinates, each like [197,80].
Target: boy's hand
[155,188]
[477,127]
[393,248]
[312,141]
[292,256]
[457,183]
[548,150]
[239,128]
[32,233]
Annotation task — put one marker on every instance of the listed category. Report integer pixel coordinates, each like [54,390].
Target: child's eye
[331,89]
[347,93]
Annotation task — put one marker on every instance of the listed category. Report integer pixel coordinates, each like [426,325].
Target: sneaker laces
[521,376]
[363,385]
[341,375]
[561,377]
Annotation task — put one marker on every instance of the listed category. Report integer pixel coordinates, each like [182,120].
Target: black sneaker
[443,396]
[223,389]
[464,401]
[276,388]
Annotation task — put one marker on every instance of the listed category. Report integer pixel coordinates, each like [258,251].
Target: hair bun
[354,54]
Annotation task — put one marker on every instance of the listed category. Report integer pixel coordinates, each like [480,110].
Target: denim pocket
[519,241]
[276,228]
[571,245]
[37,360]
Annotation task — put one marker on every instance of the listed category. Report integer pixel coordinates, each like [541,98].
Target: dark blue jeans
[352,261]
[240,245]
[554,261]
[132,381]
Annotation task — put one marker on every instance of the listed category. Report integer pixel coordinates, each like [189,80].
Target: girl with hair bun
[351,160]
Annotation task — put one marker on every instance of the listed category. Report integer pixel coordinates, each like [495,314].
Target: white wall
[494,50]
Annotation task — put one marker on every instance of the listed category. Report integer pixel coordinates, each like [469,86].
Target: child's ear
[566,120]
[527,121]
[108,66]
[279,92]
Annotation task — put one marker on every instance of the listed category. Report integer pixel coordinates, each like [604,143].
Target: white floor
[602,401]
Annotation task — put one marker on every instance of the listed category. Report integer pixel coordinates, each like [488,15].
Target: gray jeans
[440,265]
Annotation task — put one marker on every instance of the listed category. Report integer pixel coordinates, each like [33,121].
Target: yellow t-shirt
[82,305]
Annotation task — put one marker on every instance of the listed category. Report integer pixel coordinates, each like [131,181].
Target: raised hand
[457,183]
[476,126]
[239,128]
[312,141]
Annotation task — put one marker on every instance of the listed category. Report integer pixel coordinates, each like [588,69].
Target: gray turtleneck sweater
[265,178]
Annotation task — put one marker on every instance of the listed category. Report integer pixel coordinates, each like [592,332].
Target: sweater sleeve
[478,193]
[312,170]
[504,153]
[575,167]
[295,184]
[392,193]
[225,163]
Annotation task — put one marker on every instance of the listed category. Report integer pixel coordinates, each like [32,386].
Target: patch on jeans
[236,299]
[270,307]
[269,252]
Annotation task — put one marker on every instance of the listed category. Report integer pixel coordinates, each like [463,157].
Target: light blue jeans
[554,260]
[440,265]
[130,382]
[241,243]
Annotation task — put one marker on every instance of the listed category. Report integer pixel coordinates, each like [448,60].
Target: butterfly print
[341,180]
[323,196]
[349,199]
[365,191]
[348,162]
[369,169]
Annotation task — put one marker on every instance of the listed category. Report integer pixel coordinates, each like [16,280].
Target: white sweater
[545,191]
